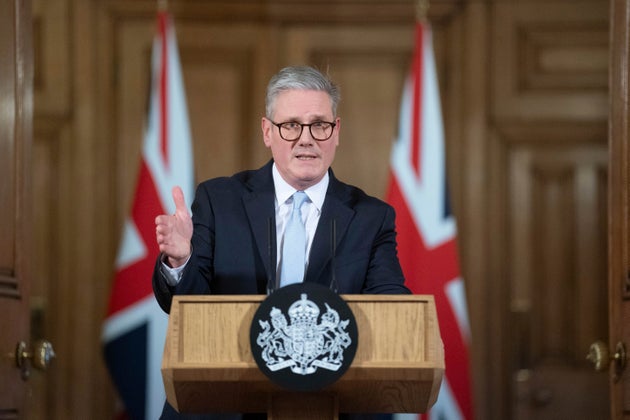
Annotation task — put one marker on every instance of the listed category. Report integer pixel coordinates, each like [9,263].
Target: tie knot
[299,197]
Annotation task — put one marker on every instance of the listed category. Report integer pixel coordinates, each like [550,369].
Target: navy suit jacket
[234,240]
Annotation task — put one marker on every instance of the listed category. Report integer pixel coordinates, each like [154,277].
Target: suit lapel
[258,202]
[335,211]
[259,206]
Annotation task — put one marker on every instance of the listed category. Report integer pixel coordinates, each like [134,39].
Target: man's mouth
[305,157]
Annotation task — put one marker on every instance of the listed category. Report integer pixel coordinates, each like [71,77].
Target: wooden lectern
[208,366]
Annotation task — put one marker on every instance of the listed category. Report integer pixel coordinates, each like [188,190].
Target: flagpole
[422,10]
[162,5]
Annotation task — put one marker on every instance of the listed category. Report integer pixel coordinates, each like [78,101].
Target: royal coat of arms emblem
[306,341]
[304,337]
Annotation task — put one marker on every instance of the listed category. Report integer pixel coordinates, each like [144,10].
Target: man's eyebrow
[313,118]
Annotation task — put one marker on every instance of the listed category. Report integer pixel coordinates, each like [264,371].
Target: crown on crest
[303,312]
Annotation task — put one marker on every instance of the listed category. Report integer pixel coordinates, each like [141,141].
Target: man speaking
[262,229]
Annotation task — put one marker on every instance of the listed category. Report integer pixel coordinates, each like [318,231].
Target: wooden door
[619,199]
[15,139]
[547,193]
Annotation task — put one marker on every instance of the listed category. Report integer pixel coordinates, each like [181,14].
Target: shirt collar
[316,193]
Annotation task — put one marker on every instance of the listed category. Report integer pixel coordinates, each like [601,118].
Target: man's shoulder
[245,179]
[356,197]
[219,183]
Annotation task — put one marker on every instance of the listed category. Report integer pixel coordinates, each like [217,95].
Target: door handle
[40,357]
[599,355]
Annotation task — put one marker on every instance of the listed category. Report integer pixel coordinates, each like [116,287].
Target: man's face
[302,163]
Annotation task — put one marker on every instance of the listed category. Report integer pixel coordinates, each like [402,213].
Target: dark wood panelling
[619,202]
[550,60]
[16,114]
[556,203]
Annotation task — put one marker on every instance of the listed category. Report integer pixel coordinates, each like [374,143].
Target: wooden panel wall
[549,156]
[16,113]
[523,87]
[619,201]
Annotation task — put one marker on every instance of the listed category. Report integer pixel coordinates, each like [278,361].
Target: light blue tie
[294,245]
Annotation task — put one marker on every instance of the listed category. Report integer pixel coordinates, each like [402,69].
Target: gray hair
[300,78]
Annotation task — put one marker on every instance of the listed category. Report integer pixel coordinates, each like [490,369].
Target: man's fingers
[162,229]
[162,219]
[178,198]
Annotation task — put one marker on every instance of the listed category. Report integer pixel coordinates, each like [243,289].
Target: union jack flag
[427,232]
[135,327]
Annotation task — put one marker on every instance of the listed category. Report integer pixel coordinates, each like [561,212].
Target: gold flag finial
[162,5]
[422,10]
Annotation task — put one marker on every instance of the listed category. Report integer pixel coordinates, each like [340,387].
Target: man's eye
[291,126]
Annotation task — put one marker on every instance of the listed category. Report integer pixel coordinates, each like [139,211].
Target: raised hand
[174,232]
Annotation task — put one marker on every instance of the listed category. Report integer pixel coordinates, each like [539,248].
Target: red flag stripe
[416,137]
[163,27]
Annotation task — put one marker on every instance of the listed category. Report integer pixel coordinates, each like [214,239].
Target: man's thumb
[178,198]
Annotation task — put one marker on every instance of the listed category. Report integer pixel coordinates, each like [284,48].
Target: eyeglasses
[291,131]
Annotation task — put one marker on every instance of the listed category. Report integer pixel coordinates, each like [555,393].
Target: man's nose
[305,136]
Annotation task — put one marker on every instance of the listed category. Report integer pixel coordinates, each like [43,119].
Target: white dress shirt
[311,210]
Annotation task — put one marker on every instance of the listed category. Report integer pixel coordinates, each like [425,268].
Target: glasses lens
[290,131]
[321,130]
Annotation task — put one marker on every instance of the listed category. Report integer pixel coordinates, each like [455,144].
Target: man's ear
[266,126]
[337,128]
